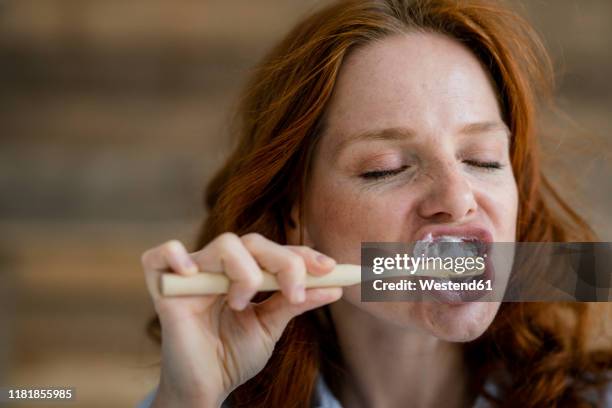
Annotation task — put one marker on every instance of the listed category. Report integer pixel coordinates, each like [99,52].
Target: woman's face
[414,142]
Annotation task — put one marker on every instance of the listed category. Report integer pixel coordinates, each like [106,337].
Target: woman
[376,121]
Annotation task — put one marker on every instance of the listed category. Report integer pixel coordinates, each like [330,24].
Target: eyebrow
[403,133]
[393,133]
[484,127]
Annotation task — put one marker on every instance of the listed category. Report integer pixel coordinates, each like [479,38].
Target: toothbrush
[206,283]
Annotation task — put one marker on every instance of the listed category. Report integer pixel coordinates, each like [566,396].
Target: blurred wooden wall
[113,114]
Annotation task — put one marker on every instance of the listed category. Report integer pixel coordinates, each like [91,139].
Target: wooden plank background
[114,113]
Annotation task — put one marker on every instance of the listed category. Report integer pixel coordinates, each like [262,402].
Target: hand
[211,344]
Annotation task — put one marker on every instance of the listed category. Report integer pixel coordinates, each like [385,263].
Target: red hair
[544,351]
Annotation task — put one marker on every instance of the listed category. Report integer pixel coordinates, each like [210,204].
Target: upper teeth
[440,248]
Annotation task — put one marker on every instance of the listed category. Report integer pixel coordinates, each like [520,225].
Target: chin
[456,323]
[450,322]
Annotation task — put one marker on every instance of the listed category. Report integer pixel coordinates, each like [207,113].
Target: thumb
[276,312]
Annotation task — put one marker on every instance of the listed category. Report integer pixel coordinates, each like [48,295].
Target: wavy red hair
[543,347]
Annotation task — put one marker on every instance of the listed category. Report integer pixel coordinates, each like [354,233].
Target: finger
[227,254]
[276,312]
[288,266]
[317,264]
[170,256]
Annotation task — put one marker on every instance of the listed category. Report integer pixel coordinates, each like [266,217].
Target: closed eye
[488,165]
[381,174]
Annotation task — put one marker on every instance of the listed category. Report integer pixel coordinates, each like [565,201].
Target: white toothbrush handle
[206,283]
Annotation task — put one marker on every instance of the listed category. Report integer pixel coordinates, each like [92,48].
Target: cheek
[500,203]
[341,217]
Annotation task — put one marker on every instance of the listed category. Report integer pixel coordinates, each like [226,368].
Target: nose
[448,197]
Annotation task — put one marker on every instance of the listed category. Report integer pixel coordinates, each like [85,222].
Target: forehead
[425,81]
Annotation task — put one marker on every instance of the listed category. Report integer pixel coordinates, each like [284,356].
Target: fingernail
[240,303]
[299,294]
[189,265]
[324,259]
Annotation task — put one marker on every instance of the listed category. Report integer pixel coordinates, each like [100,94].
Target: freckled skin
[433,85]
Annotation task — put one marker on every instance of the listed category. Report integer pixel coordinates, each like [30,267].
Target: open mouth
[455,250]
[451,257]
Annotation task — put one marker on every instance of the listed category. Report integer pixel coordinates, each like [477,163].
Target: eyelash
[490,166]
[382,174]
